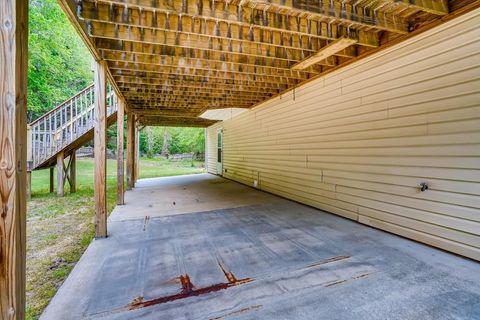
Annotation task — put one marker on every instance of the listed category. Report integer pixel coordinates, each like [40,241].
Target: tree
[150,142]
[59,63]
[165,142]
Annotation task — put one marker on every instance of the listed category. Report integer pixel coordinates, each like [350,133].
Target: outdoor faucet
[423,186]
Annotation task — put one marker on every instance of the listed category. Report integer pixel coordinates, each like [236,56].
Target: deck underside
[258,257]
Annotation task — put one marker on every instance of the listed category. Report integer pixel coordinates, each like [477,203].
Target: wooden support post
[137,154]
[205,150]
[130,150]
[100,150]
[73,172]
[13,156]
[120,153]
[29,185]
[51,179]
[60,174]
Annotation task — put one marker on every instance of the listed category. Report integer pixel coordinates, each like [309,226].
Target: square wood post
[100,149]
[73,172]
[29,162]
[29,185]
[137,154]
[60,174]
[120,153]
[13,156]
[51,179]
[130,150]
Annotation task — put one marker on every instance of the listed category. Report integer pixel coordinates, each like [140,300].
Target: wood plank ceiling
[174,59]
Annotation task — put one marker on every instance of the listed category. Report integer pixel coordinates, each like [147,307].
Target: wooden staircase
[65,128]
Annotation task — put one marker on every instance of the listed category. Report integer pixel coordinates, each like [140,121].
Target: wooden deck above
[172,60]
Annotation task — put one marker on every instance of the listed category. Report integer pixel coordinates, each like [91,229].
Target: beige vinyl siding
[359,141]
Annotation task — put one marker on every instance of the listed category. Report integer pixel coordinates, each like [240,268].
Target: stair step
[65,125]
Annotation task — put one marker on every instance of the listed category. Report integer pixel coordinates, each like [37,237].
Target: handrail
[63,125]
[60,105]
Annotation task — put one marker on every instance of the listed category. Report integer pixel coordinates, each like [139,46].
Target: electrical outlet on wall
[255,183]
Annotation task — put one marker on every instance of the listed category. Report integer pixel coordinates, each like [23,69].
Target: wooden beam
[333,12]
[204,64]
[137,154]
[212,74]
[268,15]
[120,152]
[100,149]
[212,62]
[325,53]
[193,52]
[182,98]
[437,7]
[166,113]
[175,121]
[192,41]
[13,156]
[129,76]
[181,107]
[130,149]
[155,85]
[193,91]
[60,174]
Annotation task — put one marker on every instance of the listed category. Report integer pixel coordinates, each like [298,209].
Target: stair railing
[64,124]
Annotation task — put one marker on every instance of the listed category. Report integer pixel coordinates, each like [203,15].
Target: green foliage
[59,63]
[180,140]
[183,140]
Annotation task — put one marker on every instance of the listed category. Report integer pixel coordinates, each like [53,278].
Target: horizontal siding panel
[348,210]
[400,161]
[410,191]
[455,223]
[433,184]
[359,141]
[435,173]
[421,204]
[446,244]
[462,237]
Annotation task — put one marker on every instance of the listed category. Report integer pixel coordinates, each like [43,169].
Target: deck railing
[61,126]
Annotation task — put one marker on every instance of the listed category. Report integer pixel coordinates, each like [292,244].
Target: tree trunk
[165,142]
[150,141]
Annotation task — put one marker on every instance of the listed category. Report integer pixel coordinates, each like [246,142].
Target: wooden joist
[155,85]
[245,19]
[204,64]
[436,7]
[127,79]
[193,55]
[342,12]
[169,121]
[211,74]
[125,46]
[325,52]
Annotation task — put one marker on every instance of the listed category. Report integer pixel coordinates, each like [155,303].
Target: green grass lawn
[59,229]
